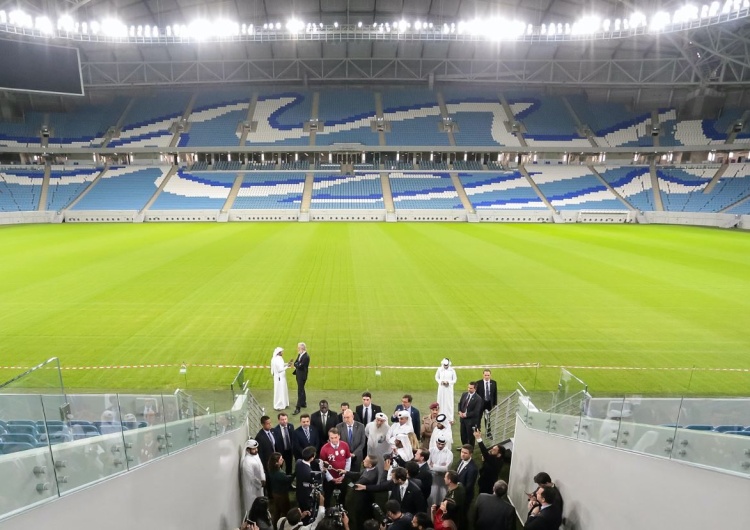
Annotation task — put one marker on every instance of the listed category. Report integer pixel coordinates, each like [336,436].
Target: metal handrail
[503,418]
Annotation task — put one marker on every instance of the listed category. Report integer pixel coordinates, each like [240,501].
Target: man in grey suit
[359,502]
[492,511]
[353,433]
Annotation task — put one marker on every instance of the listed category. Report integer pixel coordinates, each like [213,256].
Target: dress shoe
[296,411]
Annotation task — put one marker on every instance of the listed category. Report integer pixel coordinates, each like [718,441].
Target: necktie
[350,436]
[307,434]
[367,415]
[487,391]
[461,466]
[466,406]
[285,435]
[324,417]
[270,437]
[403,491]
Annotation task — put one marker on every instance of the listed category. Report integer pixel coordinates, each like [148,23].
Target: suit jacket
[301,367]
[280,440]
[413,501]
[360,410]
[474,409]
[299,440]
[494,513]
[265,447]
[304,483]
[357,446]
[548,519]
[317,422]
[468,477]
[416,419]
[425,475]
[490,470]
[491,400]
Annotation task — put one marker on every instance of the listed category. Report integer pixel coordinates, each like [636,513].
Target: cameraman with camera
[294,519]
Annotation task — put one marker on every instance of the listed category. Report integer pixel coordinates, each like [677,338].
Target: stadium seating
[471,165]
[23,134]
[360,191]
[508,190]
[547,122]
[416,191]
[184,191]
[20,189]
[86,125]
[346,116]
[270,191]
[149,119]
[123,188]
[633,183]
[683,188]
[573,188]
[280,119]
[65,184]
[215,125]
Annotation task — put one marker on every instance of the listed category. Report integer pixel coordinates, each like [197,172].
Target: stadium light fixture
[295,25]
[659,21]
[20,19]
[44,25]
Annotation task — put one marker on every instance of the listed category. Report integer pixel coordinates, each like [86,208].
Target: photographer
[295,517]
[399,521]
[308,480]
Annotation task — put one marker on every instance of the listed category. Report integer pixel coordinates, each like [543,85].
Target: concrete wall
[194,489]
[607,488]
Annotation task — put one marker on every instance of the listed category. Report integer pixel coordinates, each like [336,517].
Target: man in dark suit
[487,390]
[359,503]
[304,436]
[422,458]
[491,466]
[470,408]
[266,441]
[344,407]
[301,367]
[306,470]
[353,433]
[323,421]
[416,419]
[493,511]
[544,516]
[367,410]
[402,490]
[467,472]
[282,433]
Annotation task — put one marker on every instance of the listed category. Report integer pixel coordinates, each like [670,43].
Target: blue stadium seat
[55,438]
[700,427]
[22,422]
[728,428]
[20,438]
[7,448]
[21,429]
[740,433]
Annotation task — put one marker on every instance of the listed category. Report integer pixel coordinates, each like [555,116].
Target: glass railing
[54,444]
[720,440]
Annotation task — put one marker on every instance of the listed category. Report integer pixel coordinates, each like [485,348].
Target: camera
[379,515]
[336,512]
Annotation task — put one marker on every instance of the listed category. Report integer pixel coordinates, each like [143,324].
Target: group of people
[404,461]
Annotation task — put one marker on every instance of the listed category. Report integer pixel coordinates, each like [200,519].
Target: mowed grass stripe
[365,294]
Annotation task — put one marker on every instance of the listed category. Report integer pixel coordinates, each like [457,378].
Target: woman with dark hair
[279,485]
[445,517]
[260,515]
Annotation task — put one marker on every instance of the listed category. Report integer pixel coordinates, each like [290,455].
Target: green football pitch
[643,309]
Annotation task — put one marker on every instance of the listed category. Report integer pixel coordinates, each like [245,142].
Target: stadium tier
[508,190]
[280,117]
[123,188]
[360,191]
[272,191]
[690,190]
[65,184]
[20,189]
[574,188]
[418,191]
[186,191]
[633,183]
[148,120]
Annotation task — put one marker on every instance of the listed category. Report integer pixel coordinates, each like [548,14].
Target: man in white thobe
[440,461]
[446,378]
[403,426]
[441,430]
[377,436]
[280,388]
[253,476]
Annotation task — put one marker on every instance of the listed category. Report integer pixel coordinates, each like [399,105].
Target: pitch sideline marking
[392,367]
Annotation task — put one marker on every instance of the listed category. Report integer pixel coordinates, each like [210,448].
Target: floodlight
[659,21]
[606,24]
[111,27]
[567,28]
[544,29]
[335,24]
[618,24]
[295,25]
[359,24]
[713,10]
[20,19]
[375,24]
[3,17]
[586,26]
[278,25]
[559,27]
[529,29]
[685,14]
[704,11]
[431,22]
[418,25]
[131,32]
[169,31]
[44,25]
[551,30]
[637,20]
[745,4]
[84,28]
[727,6]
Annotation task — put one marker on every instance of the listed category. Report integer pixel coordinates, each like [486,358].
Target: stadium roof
[672,64]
